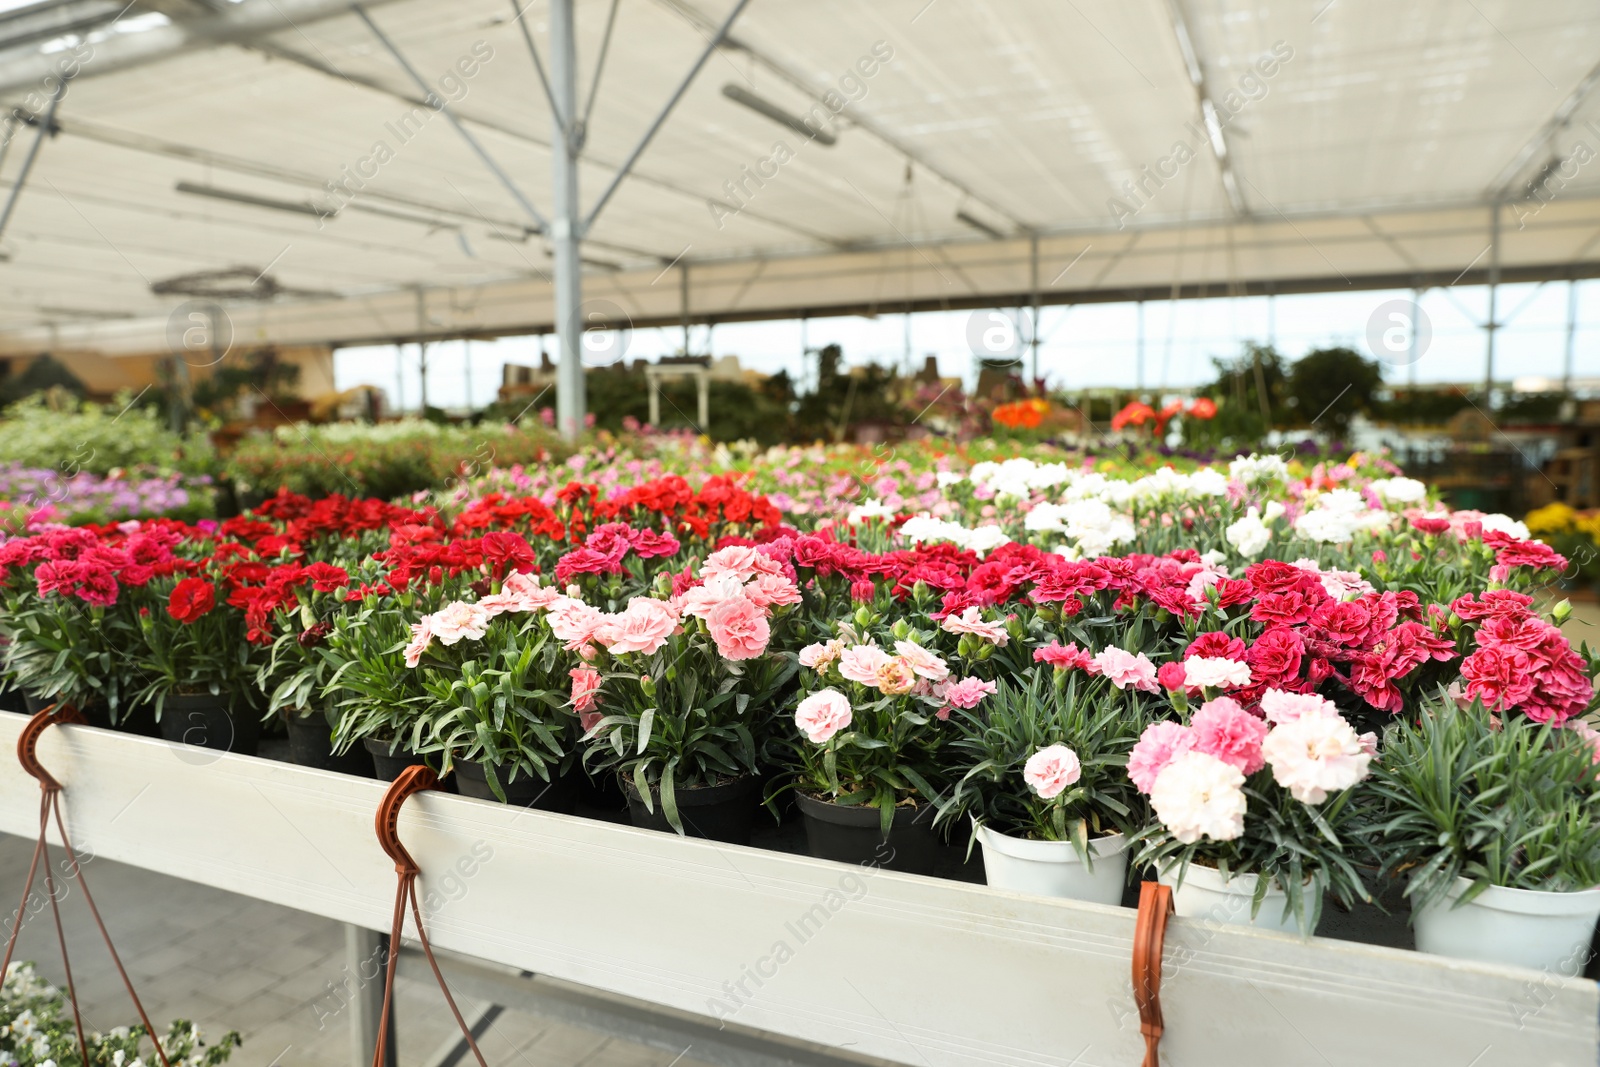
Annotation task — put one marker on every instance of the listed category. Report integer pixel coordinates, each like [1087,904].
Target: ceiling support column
[566,225]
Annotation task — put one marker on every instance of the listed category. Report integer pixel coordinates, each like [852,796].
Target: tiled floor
[230,962]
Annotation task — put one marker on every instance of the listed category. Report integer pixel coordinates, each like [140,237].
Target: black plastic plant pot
[311,745]
[560,794]
[204,721]
[387,765]
[725,812]
[604,792]
[852,833]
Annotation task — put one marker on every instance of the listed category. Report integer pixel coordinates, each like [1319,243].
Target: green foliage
[386,461]
[60,648]
[1240,385]
[739,411]
[70,436]
[42,374]
[1040,708]
[1330,386]
[1454,797]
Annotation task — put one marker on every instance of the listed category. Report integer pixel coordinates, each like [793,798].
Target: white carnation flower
[1197,796]
[1249,535]
[1315,755]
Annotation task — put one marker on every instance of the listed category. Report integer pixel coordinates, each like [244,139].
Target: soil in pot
[204,721]
[387,765]
[723,812]
[852,833]
[560,794]
[311,745]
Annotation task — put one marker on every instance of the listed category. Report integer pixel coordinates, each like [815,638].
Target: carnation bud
[920,590]
[1561,611]
[672,673]
[647,684]
[1172,676]
[1455,621]
[481,587]
[863,616]
[1048,613]
[308,618]
[901,629]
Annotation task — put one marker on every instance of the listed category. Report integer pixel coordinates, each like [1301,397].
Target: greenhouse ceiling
[280,158]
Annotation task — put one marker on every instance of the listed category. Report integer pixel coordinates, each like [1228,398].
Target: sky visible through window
[1086,345]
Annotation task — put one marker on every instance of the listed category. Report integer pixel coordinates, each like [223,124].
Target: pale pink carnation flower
[1588,733]
[741,561]
[1225,730]
[1345,585]
[739,628]
[819,655]
[1316,755]
[1051,769]
[971,621]
[896,677]
[585,696]
[643,626]
[421,638]
[772,591]
[926,664]
[1200,796]
[531,596]
[822,714]
[457,620]
[1126,669]
[861,663]
[699,600]
[1280,707]
[1214,672]
[574,623]
[968,692]
[1159,745]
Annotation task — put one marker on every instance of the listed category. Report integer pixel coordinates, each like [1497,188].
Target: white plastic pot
[1524,927]
[1205,895]
[1052,868]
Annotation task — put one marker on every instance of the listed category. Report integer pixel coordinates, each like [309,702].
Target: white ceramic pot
[1523,927]
[1205,895]
[1052,868]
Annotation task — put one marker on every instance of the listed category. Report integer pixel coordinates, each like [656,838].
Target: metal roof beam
[1208,108]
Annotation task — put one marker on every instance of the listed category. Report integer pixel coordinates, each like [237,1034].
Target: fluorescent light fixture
[295,207]
[978,224]
[762,106]
[1213,128]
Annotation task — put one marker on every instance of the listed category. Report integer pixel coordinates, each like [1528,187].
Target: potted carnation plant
[492,673]
[1043,776]
[678,694]
[197,666]
[1249,810]
[1493,822]
[874,722]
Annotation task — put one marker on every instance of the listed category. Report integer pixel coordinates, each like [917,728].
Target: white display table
[911,970]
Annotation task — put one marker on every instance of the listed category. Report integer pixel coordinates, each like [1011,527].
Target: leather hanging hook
[28,742]
[410,781]
[1149,938]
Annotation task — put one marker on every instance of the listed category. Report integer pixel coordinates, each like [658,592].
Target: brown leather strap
[411,780]
[1149,936]
[50,804]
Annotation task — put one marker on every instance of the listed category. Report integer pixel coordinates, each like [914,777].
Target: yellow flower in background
[1554,518]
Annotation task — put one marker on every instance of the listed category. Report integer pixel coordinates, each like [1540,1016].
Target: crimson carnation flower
[190,599]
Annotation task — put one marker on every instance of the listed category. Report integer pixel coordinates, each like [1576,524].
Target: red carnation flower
[190,599]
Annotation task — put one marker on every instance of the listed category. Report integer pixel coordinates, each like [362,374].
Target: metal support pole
[703,388]
[1138,372]
[1572,331]
[1494,285]
[399,378]
[655,400]
[366,954]
[45,126]
[466,345]
[683,303]
[1411,357]
[565,229]
[1033,282]
[422,373]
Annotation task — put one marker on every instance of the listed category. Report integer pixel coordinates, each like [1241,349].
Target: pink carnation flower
[968,692]
[457,620]
[421,638]
[643,626]
[771,591]
[1316,755]
[1051,769]
[529,594]
[1222,728]
[585,695]
[739,628]
[822,714]
[1280,707]
[574,623]
[1160,743]
[971,621]
[819,655]
[1125,668]
[861,663]
[742,562]
[699,600]
[1062,657]
[924,663]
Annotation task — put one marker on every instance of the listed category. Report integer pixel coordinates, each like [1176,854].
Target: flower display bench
[882,966]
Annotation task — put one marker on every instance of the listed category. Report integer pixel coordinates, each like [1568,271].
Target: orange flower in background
[1204,408]
[1135,414]
[1022,414]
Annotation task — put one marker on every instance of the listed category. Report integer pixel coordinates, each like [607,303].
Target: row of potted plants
[1217,721]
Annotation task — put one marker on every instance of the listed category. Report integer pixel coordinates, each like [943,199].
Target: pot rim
[1527,901]
[1241,882]
[1046,851]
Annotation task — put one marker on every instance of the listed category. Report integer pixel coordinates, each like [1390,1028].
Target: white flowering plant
[37,1030]
[1046,759]
[1497,800]
[1272,795]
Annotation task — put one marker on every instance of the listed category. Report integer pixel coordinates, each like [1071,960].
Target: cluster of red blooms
[1521,660]
[604,550]
[669,503]
[92,564]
